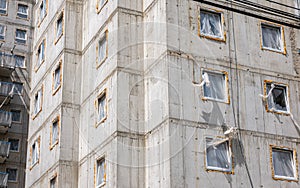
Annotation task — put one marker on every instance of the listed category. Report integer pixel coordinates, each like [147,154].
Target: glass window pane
[16,115]
[57,78]
[271,37]
[216,88]
[283,162]
[12,174]
[102,50]
[210,24]
[102,107]
[278,99]
[100,172]
[14,144]
[59,27]
[20,61]
[54,132]
[2,4]
[217,154]
[53,183]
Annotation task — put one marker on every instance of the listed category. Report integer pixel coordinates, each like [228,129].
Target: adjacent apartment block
[15,66]
[164,93]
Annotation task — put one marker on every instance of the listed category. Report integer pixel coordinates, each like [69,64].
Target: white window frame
[294,163]
[297,5]
[226,86]
[103,182]
[24,60]
[21,39]
[45,8]
[41,54]
[4,32]
[57,34]
[38,100]
[11,144]
[229,155]
[17,173]
[4,10]
[103,94]
[222,36]
[282,41]
[55,87]
[101,43]
[21,13]
[268,83]
[53,143]
[16,110]
[36,154]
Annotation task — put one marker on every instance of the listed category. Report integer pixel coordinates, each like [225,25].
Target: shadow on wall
[215,117]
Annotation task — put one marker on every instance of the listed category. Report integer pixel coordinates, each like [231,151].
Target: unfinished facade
[186,93]
[15,63]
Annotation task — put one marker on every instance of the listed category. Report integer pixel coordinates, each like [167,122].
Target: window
[283,164]
[14,144]
[41,54]
[211,25]
[102,49]
[100,172]
[21,36]
[2,32]
[18,88]
[215,86]
[277,100]
[100,5]
[22,11]
[43,10]
[20,61]
[101,107]
[53,182]
[3,6]
[218,155]
[35,152]
[56,82]
[38,102]
[54,132]
[12,174]
[272,37]
[59,28]
[16,115]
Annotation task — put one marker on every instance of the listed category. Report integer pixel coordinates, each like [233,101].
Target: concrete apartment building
[15,66]
[164,93]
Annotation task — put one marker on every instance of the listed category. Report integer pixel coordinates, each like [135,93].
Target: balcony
[4,150]
[7,64]
[5,121]
[3,179]
[7,90]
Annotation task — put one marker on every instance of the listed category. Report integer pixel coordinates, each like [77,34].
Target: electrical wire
[236,115]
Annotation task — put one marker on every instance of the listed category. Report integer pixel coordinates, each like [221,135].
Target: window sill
[100,122]
[215,38]
[41,21]
[35,115]
[283,52]
[101,185]
[53,145]
[98,9]
[38,67]
[33,165]
[286,113]
[101,62]
[54,91]
[216,100]
[57,39]
[224,171]
[21,43]
[20,18]
[285,178]
[14,151]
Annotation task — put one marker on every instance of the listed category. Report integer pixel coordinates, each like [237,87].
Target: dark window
[14,144]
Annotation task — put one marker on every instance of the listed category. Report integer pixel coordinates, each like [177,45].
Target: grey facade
[15,66]
[143,93]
